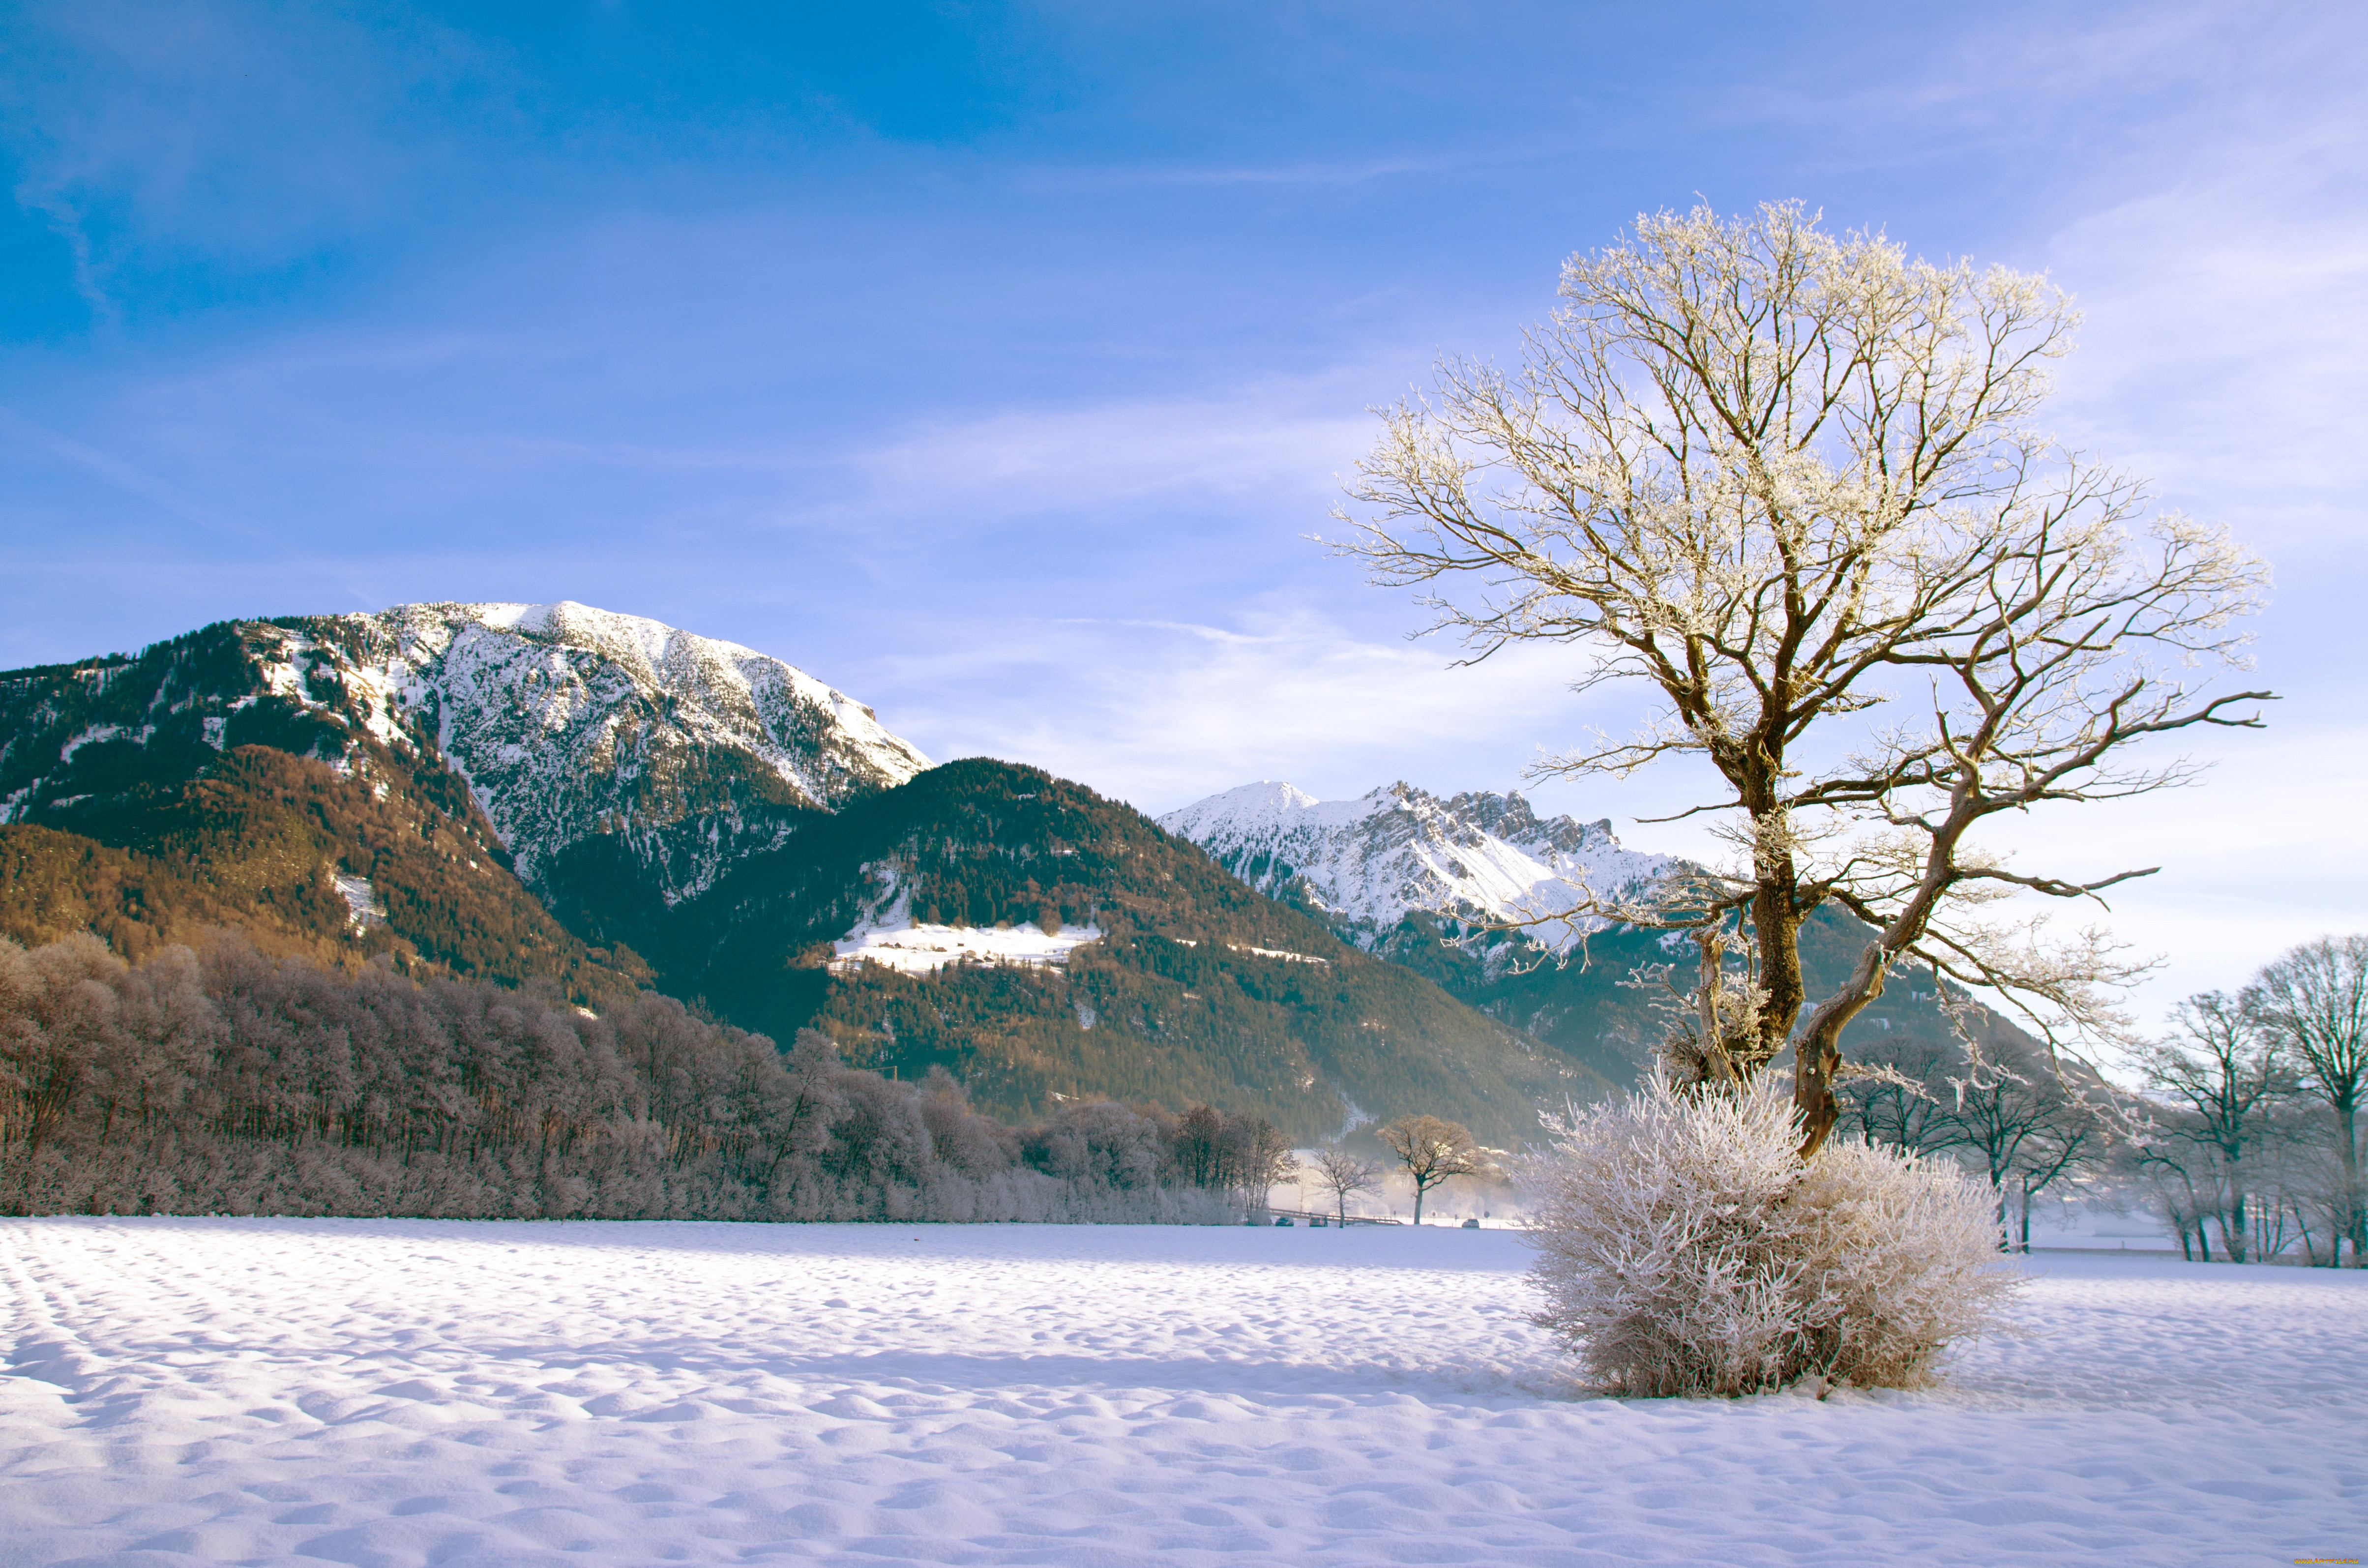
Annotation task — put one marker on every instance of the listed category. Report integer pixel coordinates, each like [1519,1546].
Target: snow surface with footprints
[383,1393]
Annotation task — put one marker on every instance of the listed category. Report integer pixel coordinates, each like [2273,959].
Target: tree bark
[1817,1057]
[2354,1221]
[1779,926]
[2233,1240]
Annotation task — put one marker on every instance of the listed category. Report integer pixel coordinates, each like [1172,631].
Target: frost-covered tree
[2314,1000]
[1261,1156]
[1790,483]
[2223,1070]
[1434,1151]
[1343,1175]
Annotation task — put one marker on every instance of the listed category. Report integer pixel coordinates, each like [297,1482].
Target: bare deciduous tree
[1433,1150]
[1896,1104]
[2023,1131]
[1789,480]
[2070,1138]
[2315,1002]
[2180,1178]
[1263,1157]
[1344,1175]
[2221,1068]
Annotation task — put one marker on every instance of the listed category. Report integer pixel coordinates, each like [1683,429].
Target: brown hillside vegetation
[255,845]
[246,1085]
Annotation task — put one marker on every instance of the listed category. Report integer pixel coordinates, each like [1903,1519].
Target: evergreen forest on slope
[1177,1002]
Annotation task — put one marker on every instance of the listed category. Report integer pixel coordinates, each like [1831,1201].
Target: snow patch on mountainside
[891,938]
[1368,862]
[1284,953]
[361,899]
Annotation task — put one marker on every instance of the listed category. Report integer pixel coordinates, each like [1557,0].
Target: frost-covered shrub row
[1684,1248]
[244,1084]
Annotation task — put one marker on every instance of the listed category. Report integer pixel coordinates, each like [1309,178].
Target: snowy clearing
[385,1392]
[1284,953]
[923,950]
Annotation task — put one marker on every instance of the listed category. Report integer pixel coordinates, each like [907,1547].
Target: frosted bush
[1684,1249]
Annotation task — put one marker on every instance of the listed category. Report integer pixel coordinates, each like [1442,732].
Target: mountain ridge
[1369,862]
[553,792]
[672,752]
[1420,879]
[574,722]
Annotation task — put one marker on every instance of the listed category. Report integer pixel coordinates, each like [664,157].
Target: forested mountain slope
[198,787]
[1583,1001]
[1173,981]
[693,815]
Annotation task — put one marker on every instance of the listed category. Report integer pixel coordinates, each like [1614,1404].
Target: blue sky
[992,362]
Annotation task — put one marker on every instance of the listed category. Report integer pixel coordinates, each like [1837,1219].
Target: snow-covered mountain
[680,753]
[1365,863]
[569,721]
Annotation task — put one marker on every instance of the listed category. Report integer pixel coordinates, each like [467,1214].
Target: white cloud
[2225,348]
[1273,441]
[1161,713]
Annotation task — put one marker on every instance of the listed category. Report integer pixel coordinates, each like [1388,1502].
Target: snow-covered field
[397,1392]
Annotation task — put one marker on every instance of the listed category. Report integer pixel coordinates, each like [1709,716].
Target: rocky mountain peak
[1367,862]
[678,753]
[572,722]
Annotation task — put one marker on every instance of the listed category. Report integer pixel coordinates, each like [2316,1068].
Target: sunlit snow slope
[680,753]
[1365,863]
[571,721]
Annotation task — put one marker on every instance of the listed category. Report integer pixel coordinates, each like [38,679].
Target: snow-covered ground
[401,1393]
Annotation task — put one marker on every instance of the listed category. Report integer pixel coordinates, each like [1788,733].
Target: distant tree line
[2007,1115]
[2254,1138]
[2244,1142]
[232,1082]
